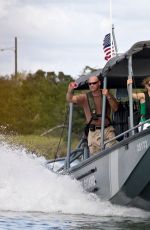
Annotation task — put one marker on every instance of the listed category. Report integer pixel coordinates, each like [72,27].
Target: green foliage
[33,103]
[78,120]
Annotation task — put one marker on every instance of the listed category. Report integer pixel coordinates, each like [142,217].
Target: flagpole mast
[114,39]
[110,16]
[106,39]
[112,31]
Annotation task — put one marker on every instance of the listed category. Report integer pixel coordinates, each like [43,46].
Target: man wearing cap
[92,106]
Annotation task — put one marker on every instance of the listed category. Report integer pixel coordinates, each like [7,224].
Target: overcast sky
[67,35]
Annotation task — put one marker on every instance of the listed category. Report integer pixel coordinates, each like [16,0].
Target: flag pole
[112,36]
[105,80]
[110,18]
[114,39]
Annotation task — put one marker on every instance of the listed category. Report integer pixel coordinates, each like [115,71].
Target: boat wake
[27,185]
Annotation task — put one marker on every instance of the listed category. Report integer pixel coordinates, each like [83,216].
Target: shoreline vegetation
[49,147]
[31,105]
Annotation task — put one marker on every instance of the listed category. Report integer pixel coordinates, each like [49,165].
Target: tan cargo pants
[94,139]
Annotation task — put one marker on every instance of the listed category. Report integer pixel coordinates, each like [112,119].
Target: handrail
[80,151]
[67,165]
[130,75]
[127,131]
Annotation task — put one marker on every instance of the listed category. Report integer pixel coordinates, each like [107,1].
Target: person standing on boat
[144,99]
[92,106]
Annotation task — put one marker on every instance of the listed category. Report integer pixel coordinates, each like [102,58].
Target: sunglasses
[92,83]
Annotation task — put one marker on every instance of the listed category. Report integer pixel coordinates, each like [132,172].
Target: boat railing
[125,133]
[82,151]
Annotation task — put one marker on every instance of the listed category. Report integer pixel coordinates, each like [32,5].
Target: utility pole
[14,49]
[16,57]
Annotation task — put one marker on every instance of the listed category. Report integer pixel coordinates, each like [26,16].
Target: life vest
[92,107]
[147,103]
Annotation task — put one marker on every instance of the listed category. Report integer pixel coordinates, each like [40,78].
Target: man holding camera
[92,106]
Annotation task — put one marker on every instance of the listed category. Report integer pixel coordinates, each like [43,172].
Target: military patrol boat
[120,174]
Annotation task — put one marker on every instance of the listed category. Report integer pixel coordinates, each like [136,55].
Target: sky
[67,35]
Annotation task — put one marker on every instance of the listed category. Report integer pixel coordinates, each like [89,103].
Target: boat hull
[120,174]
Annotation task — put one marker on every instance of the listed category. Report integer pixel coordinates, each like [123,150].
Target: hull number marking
[142,145]
[89,182]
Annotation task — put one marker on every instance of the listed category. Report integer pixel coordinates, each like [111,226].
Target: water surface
[32,197]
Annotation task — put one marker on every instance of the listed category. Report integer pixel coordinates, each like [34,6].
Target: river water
[32,197]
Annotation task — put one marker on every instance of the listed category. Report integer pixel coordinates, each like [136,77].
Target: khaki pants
[94,139]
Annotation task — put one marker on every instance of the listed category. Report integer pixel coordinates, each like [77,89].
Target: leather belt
[99,127]
[93,127]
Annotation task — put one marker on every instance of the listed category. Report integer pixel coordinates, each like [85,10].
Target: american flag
[107,47]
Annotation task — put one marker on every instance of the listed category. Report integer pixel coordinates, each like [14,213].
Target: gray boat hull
[120,174]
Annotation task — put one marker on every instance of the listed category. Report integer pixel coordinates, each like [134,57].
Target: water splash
[27,185]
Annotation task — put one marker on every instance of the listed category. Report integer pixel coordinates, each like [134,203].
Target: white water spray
[27,185]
